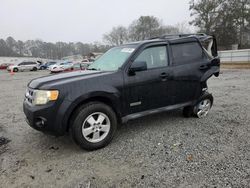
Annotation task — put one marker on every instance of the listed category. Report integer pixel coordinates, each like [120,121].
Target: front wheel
[15,70]
[93,125]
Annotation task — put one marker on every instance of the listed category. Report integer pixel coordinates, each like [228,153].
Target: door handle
[164,75]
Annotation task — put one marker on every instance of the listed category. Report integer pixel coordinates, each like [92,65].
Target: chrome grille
[29,95]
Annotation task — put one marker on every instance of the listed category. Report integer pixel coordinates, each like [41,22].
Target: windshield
[113,59]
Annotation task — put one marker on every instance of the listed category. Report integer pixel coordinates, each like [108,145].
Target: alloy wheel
[203,108]
[96,127]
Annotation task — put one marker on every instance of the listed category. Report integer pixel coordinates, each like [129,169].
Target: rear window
[186,53]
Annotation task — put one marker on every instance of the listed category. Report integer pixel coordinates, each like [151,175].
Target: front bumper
[43,118]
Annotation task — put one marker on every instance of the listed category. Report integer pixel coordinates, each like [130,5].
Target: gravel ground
[163,150]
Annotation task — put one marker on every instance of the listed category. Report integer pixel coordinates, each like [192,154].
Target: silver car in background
[24,66]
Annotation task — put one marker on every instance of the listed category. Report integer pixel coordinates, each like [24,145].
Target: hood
[53,80]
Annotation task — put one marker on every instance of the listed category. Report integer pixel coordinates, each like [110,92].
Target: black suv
[127,82]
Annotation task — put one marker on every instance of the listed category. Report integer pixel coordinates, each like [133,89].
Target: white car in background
[24,66]
[60,67]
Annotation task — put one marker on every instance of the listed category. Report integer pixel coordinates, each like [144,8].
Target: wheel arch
[108,99]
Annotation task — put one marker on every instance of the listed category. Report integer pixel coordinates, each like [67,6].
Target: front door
[151,88]
[22,66]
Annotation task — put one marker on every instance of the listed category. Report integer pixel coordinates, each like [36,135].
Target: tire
[93,125]
[15,70]
[34,69]
[207,101]
[196,110]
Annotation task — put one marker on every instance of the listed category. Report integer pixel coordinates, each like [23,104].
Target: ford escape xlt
[127,82]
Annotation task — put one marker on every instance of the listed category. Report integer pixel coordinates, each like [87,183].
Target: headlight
[43,97]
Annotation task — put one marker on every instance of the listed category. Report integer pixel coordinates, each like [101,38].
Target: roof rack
[174,36]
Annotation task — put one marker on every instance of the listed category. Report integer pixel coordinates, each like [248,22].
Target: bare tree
[117,36]
[228,19]
[205,13]
[145,27]
[183,27]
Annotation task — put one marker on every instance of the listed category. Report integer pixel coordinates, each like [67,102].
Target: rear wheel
[34,69]
[15,70]
[93,125]
[202,107]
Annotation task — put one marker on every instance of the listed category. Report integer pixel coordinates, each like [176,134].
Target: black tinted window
[31,63]
[154,56]
[186,53]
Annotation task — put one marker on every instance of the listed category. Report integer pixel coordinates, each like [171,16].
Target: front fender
[111,96]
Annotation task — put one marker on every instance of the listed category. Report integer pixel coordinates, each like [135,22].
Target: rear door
[189,63]
[30,65]
[27,66]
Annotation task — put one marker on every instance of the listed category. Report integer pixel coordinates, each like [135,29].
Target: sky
[81,20]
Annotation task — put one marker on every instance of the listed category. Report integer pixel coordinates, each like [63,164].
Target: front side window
[113,59]
[186,53]
[154,57]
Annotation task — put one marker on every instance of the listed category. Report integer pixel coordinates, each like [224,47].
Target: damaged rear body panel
[210,63]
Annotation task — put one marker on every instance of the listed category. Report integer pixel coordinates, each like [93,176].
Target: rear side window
[29,63]
[186,53]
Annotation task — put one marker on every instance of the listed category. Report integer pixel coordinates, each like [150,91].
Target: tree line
[140,29]
[229,20]
[145,27]
[48,50]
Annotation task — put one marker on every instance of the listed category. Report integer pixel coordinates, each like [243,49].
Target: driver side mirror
[138,66]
